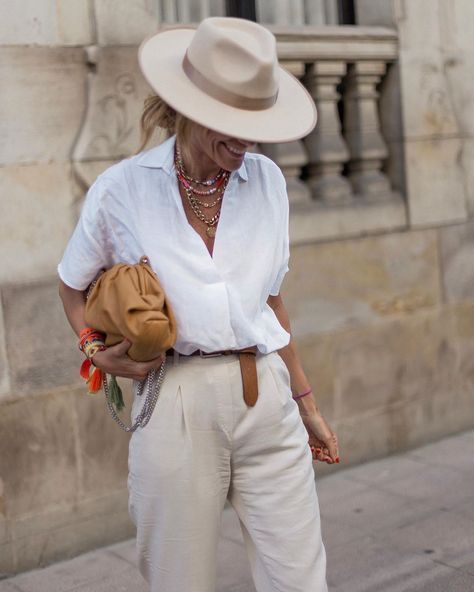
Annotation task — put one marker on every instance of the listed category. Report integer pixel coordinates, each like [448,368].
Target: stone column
[362,129]
[326,148]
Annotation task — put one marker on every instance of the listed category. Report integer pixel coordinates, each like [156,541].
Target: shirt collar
[162,157]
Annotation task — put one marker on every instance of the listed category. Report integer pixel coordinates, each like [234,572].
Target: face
[210,149]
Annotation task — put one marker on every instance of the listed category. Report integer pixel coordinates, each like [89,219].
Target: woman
[213,220]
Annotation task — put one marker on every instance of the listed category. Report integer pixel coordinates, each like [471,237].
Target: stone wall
[384,322]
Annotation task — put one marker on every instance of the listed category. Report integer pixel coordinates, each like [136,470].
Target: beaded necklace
[180,168]
[220,181]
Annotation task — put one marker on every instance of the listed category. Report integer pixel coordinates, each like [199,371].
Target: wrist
[91,342]
[307,404]
[95,358]
[304,393]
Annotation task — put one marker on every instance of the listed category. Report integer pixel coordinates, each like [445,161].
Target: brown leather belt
[248,368]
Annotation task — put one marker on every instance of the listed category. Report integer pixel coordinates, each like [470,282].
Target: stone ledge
[328,42]
[314,222]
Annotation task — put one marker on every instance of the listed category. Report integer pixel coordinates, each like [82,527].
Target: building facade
[381,281]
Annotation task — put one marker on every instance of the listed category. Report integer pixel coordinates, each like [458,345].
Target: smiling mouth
[234,151]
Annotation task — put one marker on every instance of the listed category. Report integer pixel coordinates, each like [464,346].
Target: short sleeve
[87,250]
[284,240]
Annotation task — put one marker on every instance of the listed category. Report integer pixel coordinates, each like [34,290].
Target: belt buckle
[209,354]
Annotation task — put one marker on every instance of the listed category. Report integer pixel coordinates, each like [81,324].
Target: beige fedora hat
[225,76]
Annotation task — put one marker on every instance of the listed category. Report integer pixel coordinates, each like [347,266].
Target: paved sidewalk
[400,524]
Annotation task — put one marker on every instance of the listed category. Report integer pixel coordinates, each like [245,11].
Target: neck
[197,164]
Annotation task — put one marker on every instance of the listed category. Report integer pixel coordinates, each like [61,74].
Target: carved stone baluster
[291,157]
[325,145]
[362,130]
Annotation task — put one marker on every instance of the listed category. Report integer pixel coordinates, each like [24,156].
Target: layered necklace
[215,187]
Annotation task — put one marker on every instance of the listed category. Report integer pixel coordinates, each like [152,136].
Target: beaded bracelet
[295,397]
[89,339]
[91,342]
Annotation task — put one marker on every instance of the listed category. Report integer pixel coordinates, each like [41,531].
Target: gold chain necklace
[211,223]
[192,194]
[179,164]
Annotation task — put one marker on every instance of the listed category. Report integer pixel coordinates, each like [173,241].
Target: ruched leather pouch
[128,301]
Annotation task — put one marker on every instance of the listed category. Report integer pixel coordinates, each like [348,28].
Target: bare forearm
[289,354]
[322,439]
[74,305]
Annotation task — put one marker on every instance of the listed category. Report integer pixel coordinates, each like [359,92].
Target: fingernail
[337,459]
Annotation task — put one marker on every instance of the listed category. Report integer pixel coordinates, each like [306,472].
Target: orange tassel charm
[95,381]
[94,378]
[85,369]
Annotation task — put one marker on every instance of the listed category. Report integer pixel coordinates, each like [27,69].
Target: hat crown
[237,55]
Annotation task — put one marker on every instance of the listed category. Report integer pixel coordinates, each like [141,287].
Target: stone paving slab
[404,523]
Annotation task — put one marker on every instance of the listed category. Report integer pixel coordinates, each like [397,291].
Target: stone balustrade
[344,161]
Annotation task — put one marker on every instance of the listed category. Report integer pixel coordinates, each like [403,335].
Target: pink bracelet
[302,394]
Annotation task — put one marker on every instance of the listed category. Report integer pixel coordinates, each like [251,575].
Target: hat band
[225,96]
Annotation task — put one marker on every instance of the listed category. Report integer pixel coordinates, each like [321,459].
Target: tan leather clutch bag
[128,301]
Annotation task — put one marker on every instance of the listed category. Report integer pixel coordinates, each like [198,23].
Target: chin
[232,166]
[229,161]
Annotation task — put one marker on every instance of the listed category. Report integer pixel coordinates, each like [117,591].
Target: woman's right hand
[114,360]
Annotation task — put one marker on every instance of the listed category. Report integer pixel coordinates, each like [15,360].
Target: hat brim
[292,116]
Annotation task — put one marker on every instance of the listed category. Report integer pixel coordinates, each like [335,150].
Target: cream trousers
[203,445]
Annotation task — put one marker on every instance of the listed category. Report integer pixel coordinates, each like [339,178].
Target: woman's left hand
[322,440]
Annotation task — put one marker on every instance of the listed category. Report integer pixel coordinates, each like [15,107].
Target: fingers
[333,448]
[122,348]
[320,449]
[326,439]
[150,365]
[321,454]
[119,363]
[141,369]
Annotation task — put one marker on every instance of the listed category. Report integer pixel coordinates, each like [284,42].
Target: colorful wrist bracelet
[302,394]
[91,342]
[86,331]
[90,338]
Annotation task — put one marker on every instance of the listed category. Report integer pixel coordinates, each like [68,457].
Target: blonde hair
[158,114]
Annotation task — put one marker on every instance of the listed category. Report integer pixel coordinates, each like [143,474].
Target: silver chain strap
[155,377]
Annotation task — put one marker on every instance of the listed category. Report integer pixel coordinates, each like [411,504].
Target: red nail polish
[337,459]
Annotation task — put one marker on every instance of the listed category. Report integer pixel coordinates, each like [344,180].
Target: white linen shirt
[134,208]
